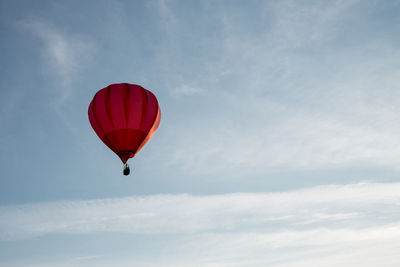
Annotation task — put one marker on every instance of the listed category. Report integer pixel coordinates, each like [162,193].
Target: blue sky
[278,144]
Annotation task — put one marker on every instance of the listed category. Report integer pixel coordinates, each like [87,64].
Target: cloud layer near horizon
[234,227]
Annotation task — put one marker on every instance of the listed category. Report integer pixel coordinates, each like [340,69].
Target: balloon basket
[126,169]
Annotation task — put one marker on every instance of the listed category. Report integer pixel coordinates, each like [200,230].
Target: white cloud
[318,247]
[307,140]
[186,90]
[319,226]
[370,247]
[346,205]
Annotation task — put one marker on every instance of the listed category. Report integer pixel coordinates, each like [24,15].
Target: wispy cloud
[187,90]
[329,206]
[306,102]
[279,229]
[64,54]
[300,24]
[307,141]
[318,247]
[370,247]
[167,18]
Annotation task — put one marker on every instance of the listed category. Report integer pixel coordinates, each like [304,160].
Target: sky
[278,144]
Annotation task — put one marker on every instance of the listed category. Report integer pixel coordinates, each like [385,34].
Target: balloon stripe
[127,102]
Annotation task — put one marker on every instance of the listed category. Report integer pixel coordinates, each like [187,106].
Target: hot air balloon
[125,117]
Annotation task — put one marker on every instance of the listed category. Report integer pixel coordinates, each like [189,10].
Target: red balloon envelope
[125,117]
